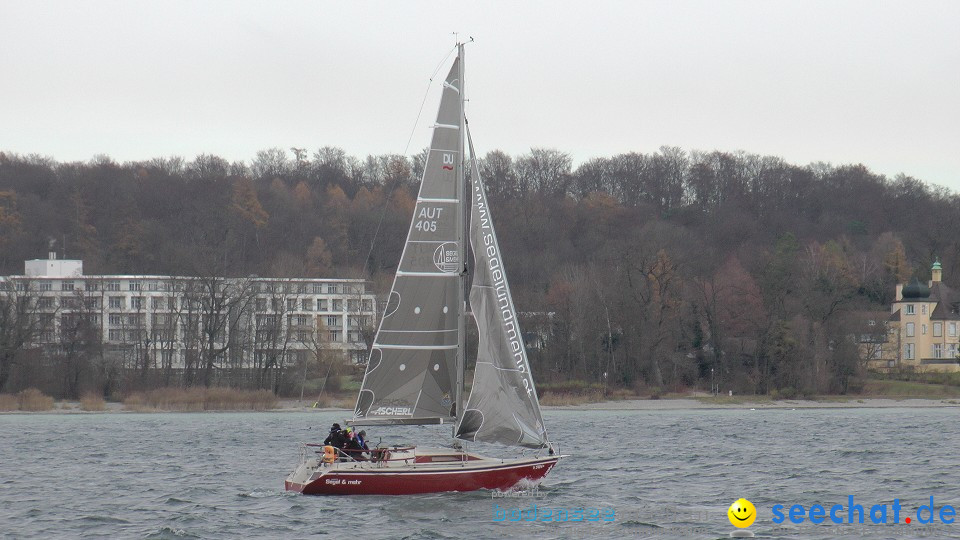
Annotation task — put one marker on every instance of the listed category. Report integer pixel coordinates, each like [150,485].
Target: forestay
[503,405]
[411,373]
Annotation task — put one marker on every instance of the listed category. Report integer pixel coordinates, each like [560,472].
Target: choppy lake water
[665,474]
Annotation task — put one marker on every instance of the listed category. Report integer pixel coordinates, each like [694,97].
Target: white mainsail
[411,375]
[503,405]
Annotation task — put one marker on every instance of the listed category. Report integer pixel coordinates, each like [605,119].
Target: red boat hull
[408,482]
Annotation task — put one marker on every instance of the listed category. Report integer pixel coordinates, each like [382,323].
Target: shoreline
[663,404]
[689,403]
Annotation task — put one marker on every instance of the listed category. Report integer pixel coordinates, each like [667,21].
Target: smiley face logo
[742,513]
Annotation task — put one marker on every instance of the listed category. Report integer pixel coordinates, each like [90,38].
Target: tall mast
[462,240]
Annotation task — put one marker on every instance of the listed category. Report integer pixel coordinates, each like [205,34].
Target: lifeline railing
[383,454]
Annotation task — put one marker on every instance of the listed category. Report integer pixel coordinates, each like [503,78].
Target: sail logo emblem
[391,411]
[448,162]
[447,257]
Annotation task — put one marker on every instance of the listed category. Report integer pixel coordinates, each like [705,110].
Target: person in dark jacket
[353,447]
[336,438]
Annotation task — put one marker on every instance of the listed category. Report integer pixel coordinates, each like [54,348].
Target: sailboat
[415,371]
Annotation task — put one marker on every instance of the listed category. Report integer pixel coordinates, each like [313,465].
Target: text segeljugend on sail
[415,372]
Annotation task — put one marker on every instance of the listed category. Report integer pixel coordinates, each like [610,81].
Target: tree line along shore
[644,273]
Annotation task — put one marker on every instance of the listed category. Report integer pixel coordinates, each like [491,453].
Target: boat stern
[308,471]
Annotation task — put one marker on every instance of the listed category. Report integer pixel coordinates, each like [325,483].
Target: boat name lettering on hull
[342,481]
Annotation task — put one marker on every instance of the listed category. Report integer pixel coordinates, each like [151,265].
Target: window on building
[115,334]
[275,304]
[937,329]
[133,285]
[333,288]
[877,353]
[261,304]
[336,335]
[923,329]
[952,350]
[156,302]
[116,319]
[910,309]
[92,285]
[952,329]
[159,336]
[66,286]
[321,304]
[910,329]
[306,304]
[166,357]
[358,321]
[354,336]
[367,304]
[334,322]
[46,286]
[937,350]
[908,351]
[118,302]
[291,304]
[92,303]
[318,288]
[301,288]
[136,302]
[923,309]
[113,286]
[336,305]
[45,302]
[298,320]
[353,305]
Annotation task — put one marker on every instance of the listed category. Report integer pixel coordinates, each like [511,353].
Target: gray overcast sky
[838,81]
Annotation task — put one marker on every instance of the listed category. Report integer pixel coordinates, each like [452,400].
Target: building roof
[915,291]
[895,316]
[948,302]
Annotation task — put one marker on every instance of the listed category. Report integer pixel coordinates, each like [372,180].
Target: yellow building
[923,328]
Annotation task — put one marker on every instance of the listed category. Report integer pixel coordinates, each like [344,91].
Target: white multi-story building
[174,322]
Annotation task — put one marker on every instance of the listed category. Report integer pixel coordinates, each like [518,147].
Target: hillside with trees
[656,271]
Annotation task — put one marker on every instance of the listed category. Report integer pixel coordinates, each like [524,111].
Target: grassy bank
[200,399]
[31,400]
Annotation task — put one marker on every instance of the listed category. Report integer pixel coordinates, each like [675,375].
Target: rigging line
[389,197]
